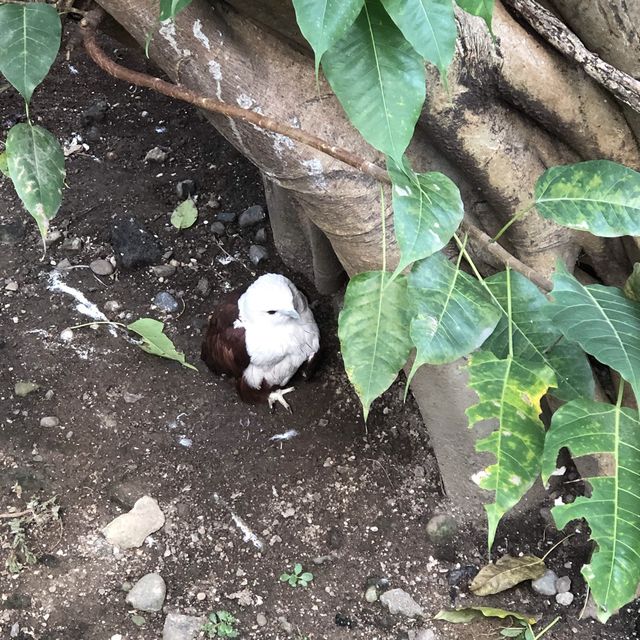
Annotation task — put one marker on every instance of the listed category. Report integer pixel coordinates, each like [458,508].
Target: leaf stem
[551,624]
[90,324]
[517,216]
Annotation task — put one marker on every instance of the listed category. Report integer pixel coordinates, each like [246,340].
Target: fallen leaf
[156,342]
[468,614]
[506,573]
[185,215]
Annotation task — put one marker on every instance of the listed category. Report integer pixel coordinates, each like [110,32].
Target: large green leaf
[631,286]
[481,8]
[373,328]
[429,25]
[170,8]
[29,43]
[155,341]
[324,22]
[598,196]
[601,320]
[509,391]
[451,313]
[613,510]
[535,338]
[427,210]
[379,79]
[36,166]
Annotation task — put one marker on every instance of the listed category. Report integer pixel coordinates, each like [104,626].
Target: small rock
[203,287]
[564,599]
[148,593]
[63,265]
[165,301]
[116,636]
[285,625]
[12,285]
[422,634]
[441,529]
[23,389]
[257,253]
[289,513]
[563,585]
[546,585]
[133,244]
[252,215]
[180,627]
[52,237]
[93,134]
[261,236]
[111,306]
[12,232]
[185,189]
[217,228]
[399,601]
[15,630]
[226,216]
[71,244]
[371,594]
[130,529]
[163,270]
[101,267]
[131,398]
[261,620]
[462,576]
[49,422]
[156,155]
[95,113]
[138,620]
[344,621]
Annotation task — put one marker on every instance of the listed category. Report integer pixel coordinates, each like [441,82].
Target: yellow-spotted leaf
[509,391]
[587,427]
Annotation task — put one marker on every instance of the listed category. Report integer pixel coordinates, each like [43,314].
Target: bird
[262,335]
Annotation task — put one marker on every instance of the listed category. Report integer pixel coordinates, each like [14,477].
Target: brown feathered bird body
[261,336]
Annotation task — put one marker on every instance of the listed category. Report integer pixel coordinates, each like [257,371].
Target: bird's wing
[224,349]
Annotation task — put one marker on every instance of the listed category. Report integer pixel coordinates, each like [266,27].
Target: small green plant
[221,624]
[297,577]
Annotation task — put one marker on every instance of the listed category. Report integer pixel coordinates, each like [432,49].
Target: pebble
[261,620]
[23,389]
[66,335]
[148,593]
[163,270]
[563,585]
[399,601]
[257,253]
[421,634]
[49,422]
[261,236]
[201,596]
[565,599]
[226,216]
[180,627]
[111,306]
[371,594]
[134,246]
[217,228]
[12,285]
[165,301]
[203,287]
[12,232]
[52,237]
[546,585]
[185,189]
[252,215]
[442,528]
[130,529]
[101,267]
[71,244]
[116,636]
[285,625]
[156,155]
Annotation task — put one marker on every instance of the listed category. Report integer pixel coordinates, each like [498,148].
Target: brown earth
[347,502]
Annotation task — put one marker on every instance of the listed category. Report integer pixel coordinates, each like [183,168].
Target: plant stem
[551,624]
[90,324]
[518,216]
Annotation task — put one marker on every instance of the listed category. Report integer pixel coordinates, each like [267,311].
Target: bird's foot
[278,396]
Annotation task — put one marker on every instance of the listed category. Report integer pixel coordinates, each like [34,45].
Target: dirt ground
[348,504]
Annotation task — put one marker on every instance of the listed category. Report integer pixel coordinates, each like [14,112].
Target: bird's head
[272,299]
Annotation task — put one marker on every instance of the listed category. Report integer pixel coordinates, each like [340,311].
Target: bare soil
[348,503]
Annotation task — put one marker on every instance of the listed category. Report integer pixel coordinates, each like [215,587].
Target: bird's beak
[292,313]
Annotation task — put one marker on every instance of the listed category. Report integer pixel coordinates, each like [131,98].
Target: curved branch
[178,92]
[625,87]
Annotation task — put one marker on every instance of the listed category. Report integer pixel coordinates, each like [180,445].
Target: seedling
[297,577]
[221,624]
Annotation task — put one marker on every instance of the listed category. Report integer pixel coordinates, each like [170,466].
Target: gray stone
[546,585]
[252,215]
[148,593]
[163,270]
[371,594]
[130,529]
[442,528]
[133,245]
[565,599]
[71,244]
[165,301]
[563,585]
[226,216]
[217,228]
[261,236]
[185,189]
[285,625]
[180,627]
[128,492]
[203,287]
[12,285]
[257,253]
[156,155]
[111,306]
[422,634]
[261,619]
[49,422]
[12,232]
[23,389]
[53,237]
[399,601]
[101,267]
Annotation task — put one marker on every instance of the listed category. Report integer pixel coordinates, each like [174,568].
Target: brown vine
[89,27]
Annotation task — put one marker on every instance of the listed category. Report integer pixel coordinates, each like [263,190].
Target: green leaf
[36,167]
[171,8]
[601,320]
[427,211]
[284,577]
[379,79]
[4,167]
[293,580]
[29,43]
[225,616]
[509,391]
[156,342]
[587,427]
[138,620]
[481,8]
[373,328]
[506,573]
[451,313]
[297,569]
[468,614]
[597,196]
[430,27]
[185,215]
[324,22]
[513,632]
[306,576]
[632,285]
[535,338]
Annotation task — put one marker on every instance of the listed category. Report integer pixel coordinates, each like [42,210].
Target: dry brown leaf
[506,573]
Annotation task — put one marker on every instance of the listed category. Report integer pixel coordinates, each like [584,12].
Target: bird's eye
[270,312]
